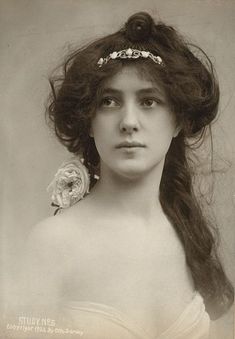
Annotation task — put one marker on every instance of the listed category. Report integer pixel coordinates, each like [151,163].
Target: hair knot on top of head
[139,27]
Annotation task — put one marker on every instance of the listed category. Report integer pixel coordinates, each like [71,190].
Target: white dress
[99,321]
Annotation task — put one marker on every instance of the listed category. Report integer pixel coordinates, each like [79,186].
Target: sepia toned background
[34,37]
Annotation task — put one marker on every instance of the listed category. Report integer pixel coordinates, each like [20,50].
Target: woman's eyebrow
[150,90]
[142,91]
[110,90]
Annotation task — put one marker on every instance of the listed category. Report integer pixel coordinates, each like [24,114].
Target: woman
[135,258]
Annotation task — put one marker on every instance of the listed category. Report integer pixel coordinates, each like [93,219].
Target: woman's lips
[129,145]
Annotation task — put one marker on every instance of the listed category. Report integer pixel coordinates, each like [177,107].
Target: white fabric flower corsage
[70,184]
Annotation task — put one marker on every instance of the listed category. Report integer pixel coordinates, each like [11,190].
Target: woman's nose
[129,122]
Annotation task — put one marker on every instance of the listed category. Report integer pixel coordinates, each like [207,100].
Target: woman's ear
[177,130]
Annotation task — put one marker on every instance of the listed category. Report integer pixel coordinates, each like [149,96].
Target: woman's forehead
[132,77]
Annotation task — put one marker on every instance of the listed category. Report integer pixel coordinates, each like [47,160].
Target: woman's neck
[130,198]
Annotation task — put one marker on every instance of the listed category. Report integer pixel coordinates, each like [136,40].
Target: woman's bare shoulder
[58,230]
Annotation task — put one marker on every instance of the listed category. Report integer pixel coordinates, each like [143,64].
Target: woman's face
[133,126]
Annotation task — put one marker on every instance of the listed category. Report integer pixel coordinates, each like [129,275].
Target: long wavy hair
[188,79]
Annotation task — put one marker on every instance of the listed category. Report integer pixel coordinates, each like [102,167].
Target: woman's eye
[149,102]
[109,102]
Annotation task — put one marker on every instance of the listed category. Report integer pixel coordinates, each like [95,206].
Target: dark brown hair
[193,94]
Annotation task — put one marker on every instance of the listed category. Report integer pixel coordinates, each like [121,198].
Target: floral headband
[130,53]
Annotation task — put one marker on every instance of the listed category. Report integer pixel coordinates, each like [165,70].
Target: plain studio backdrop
[35,36]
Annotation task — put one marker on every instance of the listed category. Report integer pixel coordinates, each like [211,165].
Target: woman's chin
[132,173]
[132,170]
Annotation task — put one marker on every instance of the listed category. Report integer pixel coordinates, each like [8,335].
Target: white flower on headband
[70,184]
